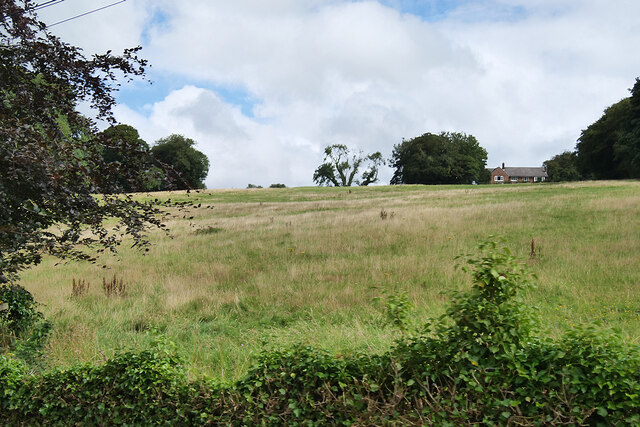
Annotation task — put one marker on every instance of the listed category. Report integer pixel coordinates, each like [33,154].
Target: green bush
[23,329]
[21,313]
[482,362]
[142,388]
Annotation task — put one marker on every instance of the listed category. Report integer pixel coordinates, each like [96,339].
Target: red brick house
[502,175]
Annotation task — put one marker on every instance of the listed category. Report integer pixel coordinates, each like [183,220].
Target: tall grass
[262,267]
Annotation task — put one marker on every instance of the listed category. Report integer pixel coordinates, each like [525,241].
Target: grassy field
[273,267]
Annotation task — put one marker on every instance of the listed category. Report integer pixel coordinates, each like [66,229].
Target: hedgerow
[482,362]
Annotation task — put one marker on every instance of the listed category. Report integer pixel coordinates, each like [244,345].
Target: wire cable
[86,13]
[46,4]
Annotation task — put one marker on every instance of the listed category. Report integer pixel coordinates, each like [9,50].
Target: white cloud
[524,77]
[240,150]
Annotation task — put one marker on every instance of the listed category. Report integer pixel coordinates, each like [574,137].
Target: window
[498,178]
[535,179]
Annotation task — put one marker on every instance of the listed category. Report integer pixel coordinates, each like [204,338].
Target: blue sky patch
[428,10]
[466,10]
[158,19]
[139,95]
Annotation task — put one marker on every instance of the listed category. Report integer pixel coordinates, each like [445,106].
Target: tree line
[445,158]
[607,149]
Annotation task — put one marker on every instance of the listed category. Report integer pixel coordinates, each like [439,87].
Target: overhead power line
[38,7]
[85,14]
[46,4]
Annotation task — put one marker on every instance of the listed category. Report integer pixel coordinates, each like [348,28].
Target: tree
[485,176]
[595,147]
[51,156]
[126,146]
[341,166]
[179,153]
[610,147]
[563,167]
[626,149]
[447,158]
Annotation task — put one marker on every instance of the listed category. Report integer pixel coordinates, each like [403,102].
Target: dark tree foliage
[51,157]
[179,153]
[129,146]
[595,147]
[447,158]
[563,167]
[610,147]
[627,147]
[341,166]
[485,176]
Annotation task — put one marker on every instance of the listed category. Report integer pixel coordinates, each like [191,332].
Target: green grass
[272,267]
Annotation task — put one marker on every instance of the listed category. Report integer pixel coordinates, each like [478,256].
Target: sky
[263,86]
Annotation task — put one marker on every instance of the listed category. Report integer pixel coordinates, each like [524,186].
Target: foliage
[277,186]
[485,176]
[51,164]
[563,167]
[125,146]
[480,363]
[610,147]
[627,147]
[179,153]
[23,329]
[22,311]
[131,388]
[341,165]
[253,186]
[447,158]
[397,309]
[596,157]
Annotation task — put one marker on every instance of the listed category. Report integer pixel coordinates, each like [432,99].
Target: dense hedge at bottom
[582,380]
[480,363]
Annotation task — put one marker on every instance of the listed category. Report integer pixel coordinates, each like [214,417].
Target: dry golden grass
[273,267]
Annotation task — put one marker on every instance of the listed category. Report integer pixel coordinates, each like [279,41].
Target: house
[501,175]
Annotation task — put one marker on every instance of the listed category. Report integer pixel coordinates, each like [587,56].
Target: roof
[525,172]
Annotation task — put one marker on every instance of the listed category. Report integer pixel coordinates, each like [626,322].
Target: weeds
[209,230]
[384,214]
[79,288]
[114,288]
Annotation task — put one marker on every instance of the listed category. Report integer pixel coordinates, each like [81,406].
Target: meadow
[261,268]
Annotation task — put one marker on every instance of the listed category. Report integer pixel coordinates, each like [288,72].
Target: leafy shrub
[21,313]
[397,309]
[11,374]
[131,388]
[23,329]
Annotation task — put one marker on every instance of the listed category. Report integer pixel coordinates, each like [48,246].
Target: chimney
[503,166]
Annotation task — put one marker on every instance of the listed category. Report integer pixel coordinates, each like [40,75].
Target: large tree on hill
[341,166]
[595,147]
[125,147]
[626,149]
[51,156]
[447,158]
[610,147]
[179,153]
